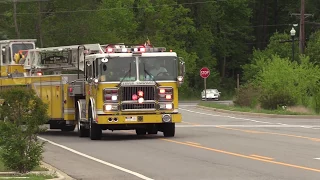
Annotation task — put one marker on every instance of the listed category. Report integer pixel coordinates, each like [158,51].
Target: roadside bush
[247,96]
[22,113]
[280,82]
[276,99]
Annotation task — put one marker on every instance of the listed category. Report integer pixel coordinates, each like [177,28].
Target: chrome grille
[127,92]
[137,106]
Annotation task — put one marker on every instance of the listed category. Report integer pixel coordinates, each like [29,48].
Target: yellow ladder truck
[48,71]
[11,47]
[95,88]
[129,88]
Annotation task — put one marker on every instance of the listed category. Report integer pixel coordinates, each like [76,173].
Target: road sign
[204,72]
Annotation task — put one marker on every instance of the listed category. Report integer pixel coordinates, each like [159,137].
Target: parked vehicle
[212,94]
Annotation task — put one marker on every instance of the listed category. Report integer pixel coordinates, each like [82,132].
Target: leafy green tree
[312,49]
[280,45]
[22,113]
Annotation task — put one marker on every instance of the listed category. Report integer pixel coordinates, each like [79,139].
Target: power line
[123,8]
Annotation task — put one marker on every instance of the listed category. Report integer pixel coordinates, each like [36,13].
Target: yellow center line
[244,156]
[272,133]
[263,157]
[189,142]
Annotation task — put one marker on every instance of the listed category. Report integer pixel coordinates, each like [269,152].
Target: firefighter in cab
[18,56]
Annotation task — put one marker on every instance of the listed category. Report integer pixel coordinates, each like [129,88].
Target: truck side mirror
[182,70]
[182,67]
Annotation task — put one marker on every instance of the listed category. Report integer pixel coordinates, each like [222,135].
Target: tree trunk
[39,25]
[15,18]
[265,22]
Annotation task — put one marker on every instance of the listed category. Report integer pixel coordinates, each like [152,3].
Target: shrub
[276,99]
[247,95]
[23,112]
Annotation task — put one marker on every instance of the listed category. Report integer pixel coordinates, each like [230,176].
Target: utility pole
[15,19]
[302,16]
[302,33]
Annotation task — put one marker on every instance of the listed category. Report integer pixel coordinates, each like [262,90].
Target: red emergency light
[134,97]
[140,93]
[133,49]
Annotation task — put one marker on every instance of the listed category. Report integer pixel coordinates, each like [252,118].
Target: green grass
[247,109]
[29,177]
[4,169]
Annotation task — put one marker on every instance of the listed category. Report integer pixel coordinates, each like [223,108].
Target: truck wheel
[141,132]
[169,130]
[95,129]
[82,131]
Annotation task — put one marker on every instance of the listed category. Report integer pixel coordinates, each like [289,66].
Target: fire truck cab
[129,88]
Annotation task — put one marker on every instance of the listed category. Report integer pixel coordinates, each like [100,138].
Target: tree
[21,113]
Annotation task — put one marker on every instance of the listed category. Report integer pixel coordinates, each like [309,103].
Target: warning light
[134,97]
[142,49]
[140,100]
[162,91]
[168,96]
[39,73]
[140,93]
[109,50]
[70,90]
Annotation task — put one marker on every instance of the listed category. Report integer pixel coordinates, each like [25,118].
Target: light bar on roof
[135,50]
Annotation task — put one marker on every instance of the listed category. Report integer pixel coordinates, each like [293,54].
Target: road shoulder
[259,114]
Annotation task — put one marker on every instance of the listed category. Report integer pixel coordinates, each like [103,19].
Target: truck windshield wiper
[128,72]
[147,72]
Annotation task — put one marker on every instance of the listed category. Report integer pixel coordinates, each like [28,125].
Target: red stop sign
[204,72]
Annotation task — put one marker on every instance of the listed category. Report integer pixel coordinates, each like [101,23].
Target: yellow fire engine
[113,86]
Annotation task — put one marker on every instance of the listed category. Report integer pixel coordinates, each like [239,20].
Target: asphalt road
[208,145]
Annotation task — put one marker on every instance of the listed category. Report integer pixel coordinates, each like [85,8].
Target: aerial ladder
[50,71]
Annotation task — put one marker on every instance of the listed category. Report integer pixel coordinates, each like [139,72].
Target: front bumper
[210,97]
[139,118]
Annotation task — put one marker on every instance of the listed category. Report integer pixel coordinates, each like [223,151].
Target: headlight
[167,106]
[110,107]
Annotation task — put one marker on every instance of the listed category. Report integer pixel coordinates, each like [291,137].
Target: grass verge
[28,176]
[4,169]
[247,109]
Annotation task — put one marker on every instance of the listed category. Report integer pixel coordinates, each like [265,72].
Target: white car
[213,94]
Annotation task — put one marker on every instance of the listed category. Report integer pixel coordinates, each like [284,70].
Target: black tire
[141,132]
[169,130]
[95,129]
[68,128]
[82,131]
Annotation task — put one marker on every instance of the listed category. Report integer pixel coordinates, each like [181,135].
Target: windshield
[211,91]
[116,68]
[161,68]
[23,46]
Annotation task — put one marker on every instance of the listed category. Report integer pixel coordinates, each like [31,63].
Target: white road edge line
[97,160]
[248,126]
[264,122]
